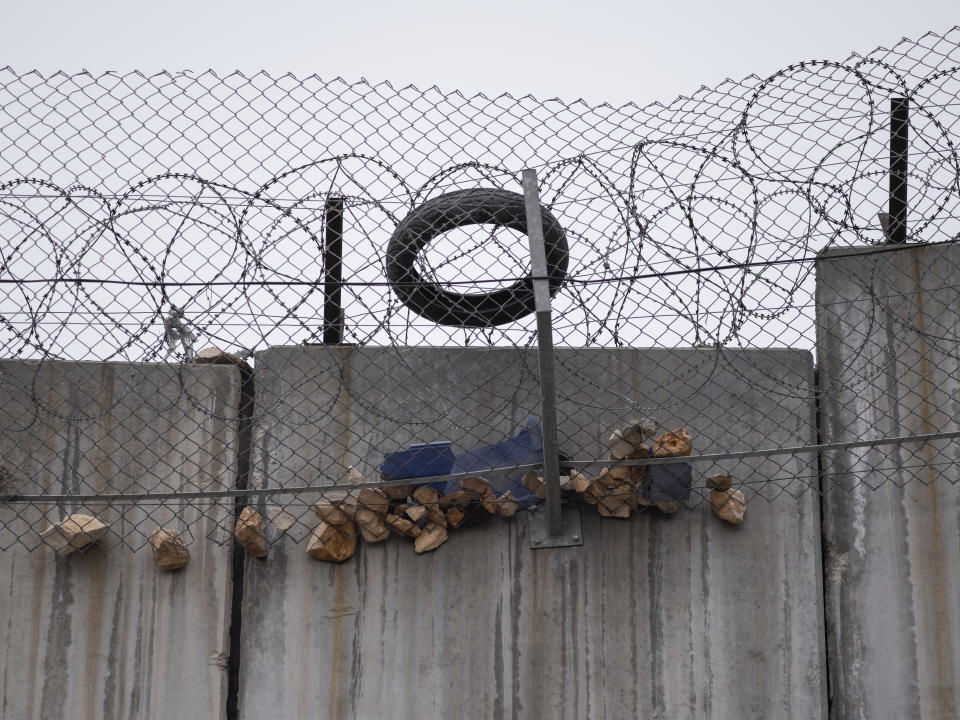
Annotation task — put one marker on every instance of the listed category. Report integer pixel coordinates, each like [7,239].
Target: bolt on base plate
[570,533]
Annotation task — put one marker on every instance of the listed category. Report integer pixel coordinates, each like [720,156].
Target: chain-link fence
[315,299]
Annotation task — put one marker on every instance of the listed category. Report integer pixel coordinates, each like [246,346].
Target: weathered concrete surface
[104,634]
[667,617]
[888,360]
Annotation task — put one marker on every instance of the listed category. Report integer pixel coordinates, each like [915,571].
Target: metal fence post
[899,168]
[333,272]
[548,389]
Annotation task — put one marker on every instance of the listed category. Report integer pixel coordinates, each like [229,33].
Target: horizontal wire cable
[872,250]
[691,459]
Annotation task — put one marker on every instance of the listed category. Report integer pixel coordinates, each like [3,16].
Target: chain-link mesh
[357,257]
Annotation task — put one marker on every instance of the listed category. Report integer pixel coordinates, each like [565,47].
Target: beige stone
[333,543]
[459,499]
[353,477]
[215,356]
[508,504]
[402,525]
[416,512]
[373,527]
[620,449]
[331,513]
[729,505]
[604,479]
[427,496]
[677,443]
[648,427]
[619,473]
[628,442]
[614,507]
[349,504]
[489,501]
[455,517]
[533,482]
[594,492]
[374,499]
[618,499]
[432,537]
[73,532]
[169,549]
[397,492]
[720,482]
[626,492]
[475,485]
[437,516]
[346,500]
[249,532]
[579,481]
[636,435]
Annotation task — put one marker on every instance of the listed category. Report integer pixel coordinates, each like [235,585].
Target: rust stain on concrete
[929,554]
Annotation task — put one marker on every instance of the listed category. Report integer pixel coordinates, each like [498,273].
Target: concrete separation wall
[889,362]
[103,634]
[679,617]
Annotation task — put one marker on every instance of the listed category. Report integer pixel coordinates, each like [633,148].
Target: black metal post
[333,272]
[899,168]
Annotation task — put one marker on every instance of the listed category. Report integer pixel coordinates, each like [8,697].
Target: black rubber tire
[469,207]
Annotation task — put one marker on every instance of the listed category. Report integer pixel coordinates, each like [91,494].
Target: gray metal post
[548,387]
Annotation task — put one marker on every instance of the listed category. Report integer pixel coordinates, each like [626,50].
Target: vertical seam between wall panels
[245,446]
[823,540]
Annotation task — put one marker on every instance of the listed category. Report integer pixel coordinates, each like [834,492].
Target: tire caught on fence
[456,209]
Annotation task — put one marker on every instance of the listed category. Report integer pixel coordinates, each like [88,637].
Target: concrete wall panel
[670,617]
[103,633]
[889,361]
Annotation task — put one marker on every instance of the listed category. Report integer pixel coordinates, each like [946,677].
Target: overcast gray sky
[601,50]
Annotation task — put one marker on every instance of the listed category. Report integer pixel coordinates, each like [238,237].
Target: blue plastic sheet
[436,458]
[525,448]
[420,460]
[668,482]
